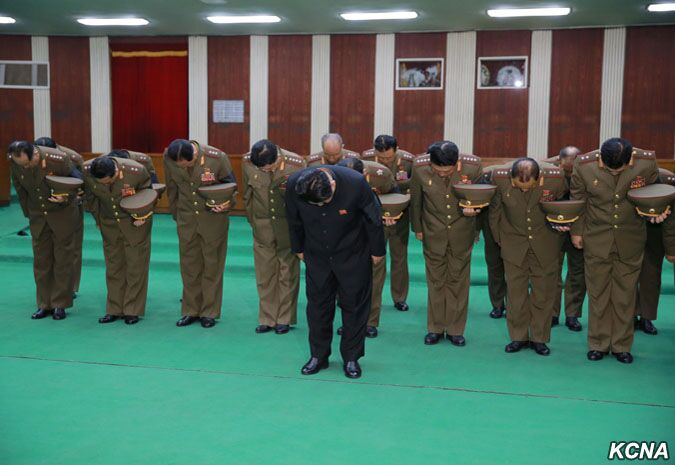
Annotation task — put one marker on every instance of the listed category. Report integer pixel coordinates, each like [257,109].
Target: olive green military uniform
[126,247]
[77,161]
[277,269]
[53,227]
[575,282]
[202,233]
[319,158]
[669,236]
[448,239]
[649,284]
[492,251]
[397,236]
[614,238]
[530,250]
[146,161]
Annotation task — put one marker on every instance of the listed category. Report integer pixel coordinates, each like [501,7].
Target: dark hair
[102,167]
[313,185]
[45,142]
[180,148]
[264,152]
[384,142]
[443,153]
[18,147]
[567,150]
[352,163]
[118,153]
[616,152]
[525,169]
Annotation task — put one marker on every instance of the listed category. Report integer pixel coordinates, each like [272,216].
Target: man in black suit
[335,225]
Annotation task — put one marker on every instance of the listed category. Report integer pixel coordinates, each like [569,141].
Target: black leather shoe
[595,355]
[497,312]
[371,331]
[636,322]
[401,306]
[516,346]
[108,319]
[282,329]
[648,327]
[59,314]
[432,338]
[352,369]
[458,341]
[74,295]
[41,313]
[263,329]
[131,319]
[623,357]
[555,321]
[208,322]
[573,324]
[186,320]
[313,366]
[541,348]
[339,331]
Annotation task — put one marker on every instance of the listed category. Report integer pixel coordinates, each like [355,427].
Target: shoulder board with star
[139,157]
[471,159]
[54,155]
[314,157]
[644,154]
[368,154]
[407,156]
[246,158]
[129,166]
[501,173]
[589,157]
[552,172]
[553,160]
[350,154]
[86,166]
[422,160]
[212,152]
[668,179]
[292,158]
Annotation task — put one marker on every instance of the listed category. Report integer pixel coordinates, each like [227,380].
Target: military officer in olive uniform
[332,151]
[202,230]
[386,151]
[669,237]
[53,220]
[265,172]
[447,233]
[77,161]
[612,235]
[530,248]
[126,240]
[575,283]
[138,157]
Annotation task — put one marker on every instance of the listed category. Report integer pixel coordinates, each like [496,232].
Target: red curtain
[149,95]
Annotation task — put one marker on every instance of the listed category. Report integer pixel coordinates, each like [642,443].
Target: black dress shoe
[371,331]
[186,320]
[401,306]
[313,366]
[541,348]
[263,329]
[282,329]
[41,313]
[59,314]
[432,338]
[458,341]
[595,355]
[108,319]
[636,322]
[74,295]
[208,322]
[131,319]
[648,327]
[339,331]
[623,357]
[352,369]
[497,312]
[516,346]
[573,324]
[555,321]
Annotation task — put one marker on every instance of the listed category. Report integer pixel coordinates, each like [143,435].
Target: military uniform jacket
[609,217]
[518,222]
[401,167]
[434,207]
[75,157]
[189,208]
[318,159]
[146,161]
[103,200]
[33,192]
[264,199]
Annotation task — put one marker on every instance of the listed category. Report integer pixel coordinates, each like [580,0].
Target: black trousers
[350,278]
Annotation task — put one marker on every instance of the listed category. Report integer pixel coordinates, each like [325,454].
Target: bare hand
[560,228]
[301,256]
[221,208]
[139,223]
[470,211]
[578,241]
[670,258]
[377,260]
[419,236]
[389,221]
[61,199]
[661,218]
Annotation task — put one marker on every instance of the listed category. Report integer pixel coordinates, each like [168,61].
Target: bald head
[567,156]
[332,147]
[525,173]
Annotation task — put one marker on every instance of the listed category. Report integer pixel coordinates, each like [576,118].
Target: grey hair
[566,151]
[334,136]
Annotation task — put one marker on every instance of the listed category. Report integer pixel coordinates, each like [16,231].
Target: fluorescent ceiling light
[243,19]
[381,15]
[517,12]
[113,21]
[660,7]
[7,20]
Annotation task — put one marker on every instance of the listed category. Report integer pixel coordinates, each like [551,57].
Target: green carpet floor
[76,392]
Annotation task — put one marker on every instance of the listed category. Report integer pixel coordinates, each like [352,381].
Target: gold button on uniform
[529,237]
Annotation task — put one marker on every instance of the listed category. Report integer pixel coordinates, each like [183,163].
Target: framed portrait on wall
[419,73]
[502,72]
